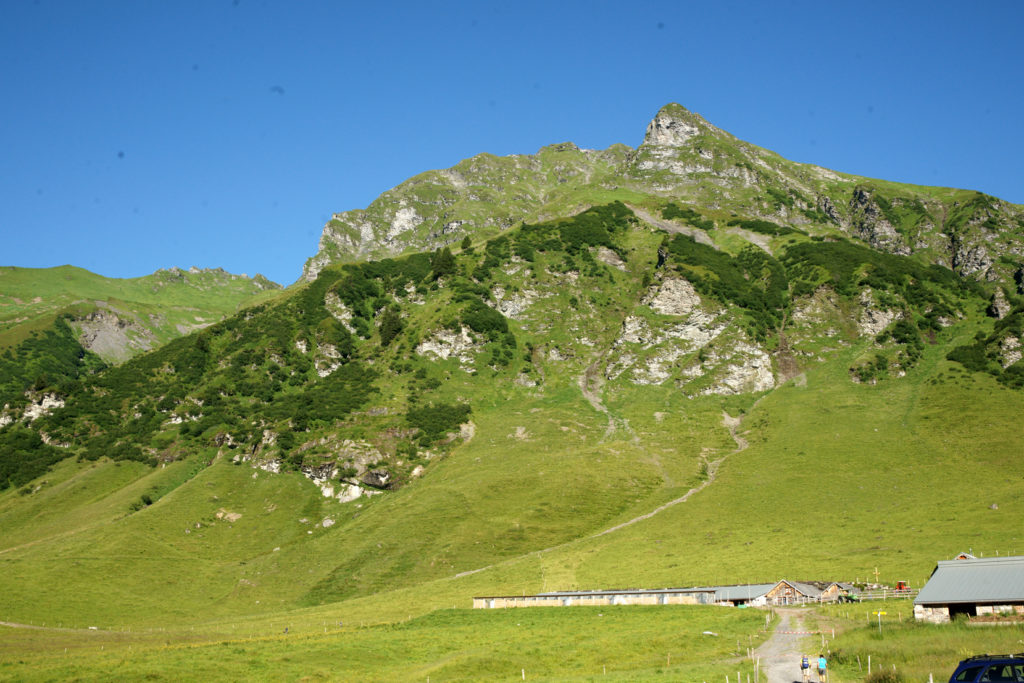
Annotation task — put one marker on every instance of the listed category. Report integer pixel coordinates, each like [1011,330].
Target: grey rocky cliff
[869,224]
[689,341]
[1000,307]
[970,259]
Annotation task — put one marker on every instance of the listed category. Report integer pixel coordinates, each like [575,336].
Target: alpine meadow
[692,363]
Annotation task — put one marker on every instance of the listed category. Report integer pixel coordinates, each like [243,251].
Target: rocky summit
[682,157]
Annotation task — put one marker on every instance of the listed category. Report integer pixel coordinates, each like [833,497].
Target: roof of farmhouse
[746,591]
[593,593]
[989,579]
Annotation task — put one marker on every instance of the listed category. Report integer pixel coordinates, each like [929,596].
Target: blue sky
[137,135]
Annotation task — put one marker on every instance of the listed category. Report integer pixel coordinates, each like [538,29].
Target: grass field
[613,643]
[915,651]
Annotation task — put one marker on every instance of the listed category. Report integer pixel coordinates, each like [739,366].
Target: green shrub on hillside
[496,252]
[780,197]
[984,354]
[481,318]
[671,210]
[594,227]
[442,264]
[761,226]
[390,326]
[24,456]
[434,421]
[45,360]
[980,208]
[848,267]
[903,213]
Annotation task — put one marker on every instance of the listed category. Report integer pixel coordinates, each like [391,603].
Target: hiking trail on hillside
[709,470]
[590,383]
[709,473]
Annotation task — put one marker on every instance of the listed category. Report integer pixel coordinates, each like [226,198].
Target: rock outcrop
[1000,307]
[444,344]
[112,337]
[869,223]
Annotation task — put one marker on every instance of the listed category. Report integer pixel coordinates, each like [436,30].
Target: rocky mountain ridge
[682,157]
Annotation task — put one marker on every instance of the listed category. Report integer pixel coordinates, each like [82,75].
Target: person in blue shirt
[822,674]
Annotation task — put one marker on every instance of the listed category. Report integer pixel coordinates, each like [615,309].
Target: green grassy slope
[590,403]
[838,476]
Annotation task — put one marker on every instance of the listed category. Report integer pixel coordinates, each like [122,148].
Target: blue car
[990,669]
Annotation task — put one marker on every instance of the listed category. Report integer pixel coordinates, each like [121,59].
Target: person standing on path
[822,673]
[805,668]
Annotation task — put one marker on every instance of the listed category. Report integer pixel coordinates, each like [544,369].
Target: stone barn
[972,587]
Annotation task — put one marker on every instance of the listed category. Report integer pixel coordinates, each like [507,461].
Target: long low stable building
[665,596]
[972,587]
[753,595]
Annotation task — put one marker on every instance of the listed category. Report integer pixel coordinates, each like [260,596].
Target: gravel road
[780,654]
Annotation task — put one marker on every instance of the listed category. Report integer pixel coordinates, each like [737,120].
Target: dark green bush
[45,360]
[24,456]
[390,326]
[761,226]
[434,421]
[671,210]
[481,318]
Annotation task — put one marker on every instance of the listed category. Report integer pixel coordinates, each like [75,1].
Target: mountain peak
[674,125]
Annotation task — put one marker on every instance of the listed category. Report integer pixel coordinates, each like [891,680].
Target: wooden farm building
[972,587]
[753,595]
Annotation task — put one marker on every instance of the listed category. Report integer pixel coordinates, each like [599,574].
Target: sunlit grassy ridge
[60,324]
[29,291]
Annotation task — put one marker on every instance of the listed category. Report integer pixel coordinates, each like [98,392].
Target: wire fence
[880,594]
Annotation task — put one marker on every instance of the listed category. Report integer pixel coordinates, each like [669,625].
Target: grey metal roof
[627,591]
[807,589]
[987,579]
[748,591]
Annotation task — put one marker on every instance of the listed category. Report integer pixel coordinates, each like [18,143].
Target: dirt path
[762,241]
[671,226]
[780,654]
[590,383]
[14,624]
